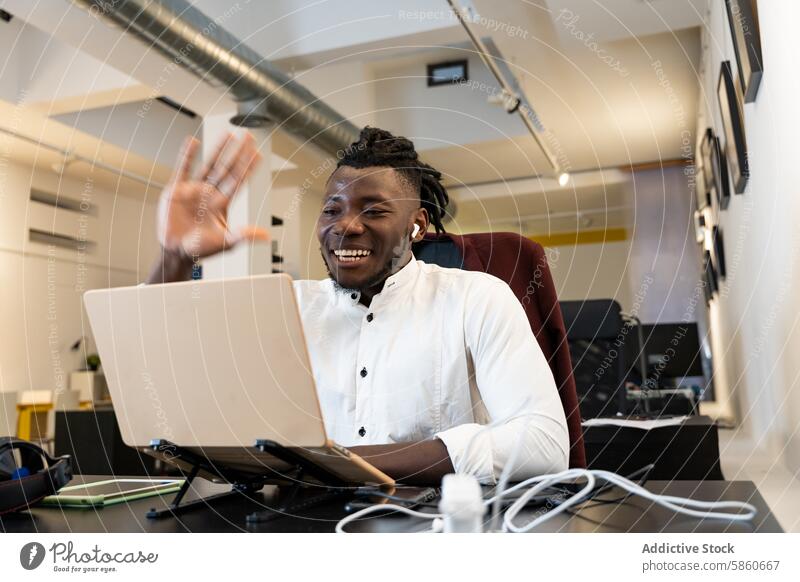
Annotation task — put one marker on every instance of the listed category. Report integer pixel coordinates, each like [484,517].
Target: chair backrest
[522,264]
[34,397]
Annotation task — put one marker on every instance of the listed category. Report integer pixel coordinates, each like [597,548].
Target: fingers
[234,170]
[249,233]
[244,167]
[186,159]
[215,157]
[254,233]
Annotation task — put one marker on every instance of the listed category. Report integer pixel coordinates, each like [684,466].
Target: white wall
[754,321]
[9,67]
[50,70]
[347,87]
[459,113]
[664,267]
[147,128]
[592,271]
[655,273]
[297,238]
[42,286]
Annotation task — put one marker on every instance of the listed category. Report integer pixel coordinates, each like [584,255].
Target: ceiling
[613,81]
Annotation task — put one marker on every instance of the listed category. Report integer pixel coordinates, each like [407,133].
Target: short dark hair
[377,147]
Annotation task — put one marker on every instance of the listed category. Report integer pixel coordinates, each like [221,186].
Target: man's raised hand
[193,208]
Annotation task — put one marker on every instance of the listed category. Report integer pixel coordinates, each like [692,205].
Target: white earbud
[415,231]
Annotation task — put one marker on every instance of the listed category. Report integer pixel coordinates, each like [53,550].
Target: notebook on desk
[214,366]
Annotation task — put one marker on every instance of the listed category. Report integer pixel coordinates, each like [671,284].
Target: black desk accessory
[38,475]
[243,483]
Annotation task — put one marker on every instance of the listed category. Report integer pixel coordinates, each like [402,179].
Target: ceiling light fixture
[513,97]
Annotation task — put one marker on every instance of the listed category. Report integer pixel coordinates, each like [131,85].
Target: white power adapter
[462,504]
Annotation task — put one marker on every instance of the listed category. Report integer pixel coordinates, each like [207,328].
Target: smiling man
[412,361]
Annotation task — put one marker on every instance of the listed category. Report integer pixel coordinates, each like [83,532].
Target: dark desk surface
[228,515]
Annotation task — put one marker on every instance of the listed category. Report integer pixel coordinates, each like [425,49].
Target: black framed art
[733,122]
[706,184]
[702,194]
[704,177]
[709,276]
[717,161]
[448,73]
[743,19]
[719,251]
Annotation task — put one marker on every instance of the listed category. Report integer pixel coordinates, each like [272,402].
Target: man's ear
[420,227]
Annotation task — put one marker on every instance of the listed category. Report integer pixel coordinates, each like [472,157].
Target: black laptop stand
[332,486]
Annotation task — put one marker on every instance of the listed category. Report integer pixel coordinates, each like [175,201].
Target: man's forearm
[417,463]
[170,267]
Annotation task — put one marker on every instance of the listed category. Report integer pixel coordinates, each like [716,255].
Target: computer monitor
[672,351]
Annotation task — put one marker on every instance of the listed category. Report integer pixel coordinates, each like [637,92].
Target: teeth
[351,254]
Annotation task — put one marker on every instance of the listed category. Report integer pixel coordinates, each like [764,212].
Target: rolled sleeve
[476,459]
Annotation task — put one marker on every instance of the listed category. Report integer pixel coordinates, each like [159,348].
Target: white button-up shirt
[439,353]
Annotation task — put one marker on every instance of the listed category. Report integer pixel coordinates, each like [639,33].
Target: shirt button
[363,372]
[370,317]
[353,296]
[362,432]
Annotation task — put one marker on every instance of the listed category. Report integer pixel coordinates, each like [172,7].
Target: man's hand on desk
[193,208]
[417,463]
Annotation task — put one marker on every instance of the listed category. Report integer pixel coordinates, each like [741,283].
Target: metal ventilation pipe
[264,93]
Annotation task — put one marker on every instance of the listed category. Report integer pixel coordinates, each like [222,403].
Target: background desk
[228,515]
[93,440]
[689,450]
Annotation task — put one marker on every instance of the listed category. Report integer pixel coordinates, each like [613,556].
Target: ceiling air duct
[264,94]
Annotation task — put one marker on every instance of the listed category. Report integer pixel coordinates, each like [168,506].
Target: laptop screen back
[207,363]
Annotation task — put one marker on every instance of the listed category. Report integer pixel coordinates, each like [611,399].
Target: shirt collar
[400,280]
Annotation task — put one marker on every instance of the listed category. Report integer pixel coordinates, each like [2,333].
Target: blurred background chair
[596,334]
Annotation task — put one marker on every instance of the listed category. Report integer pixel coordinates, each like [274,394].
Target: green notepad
[110,492]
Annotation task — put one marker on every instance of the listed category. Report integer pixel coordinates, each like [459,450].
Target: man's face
[365,225]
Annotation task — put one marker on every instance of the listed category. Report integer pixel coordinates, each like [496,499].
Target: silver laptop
[214,366]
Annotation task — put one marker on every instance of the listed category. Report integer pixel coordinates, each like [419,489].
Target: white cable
[680,505]
[540,483]
[548,481]
[505,476]
[677,504]
[384,506]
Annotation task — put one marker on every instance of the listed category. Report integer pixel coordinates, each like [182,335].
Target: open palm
[193,208]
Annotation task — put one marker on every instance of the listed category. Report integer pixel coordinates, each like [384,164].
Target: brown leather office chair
[522,264]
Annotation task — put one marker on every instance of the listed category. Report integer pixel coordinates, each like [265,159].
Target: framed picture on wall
[702,194]
[714,167]
[733,122]
[719,251]
[703,177]
[707,183]
[743,19]
[709,276]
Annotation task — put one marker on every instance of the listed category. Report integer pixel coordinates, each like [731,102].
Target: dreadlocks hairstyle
[378,147]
